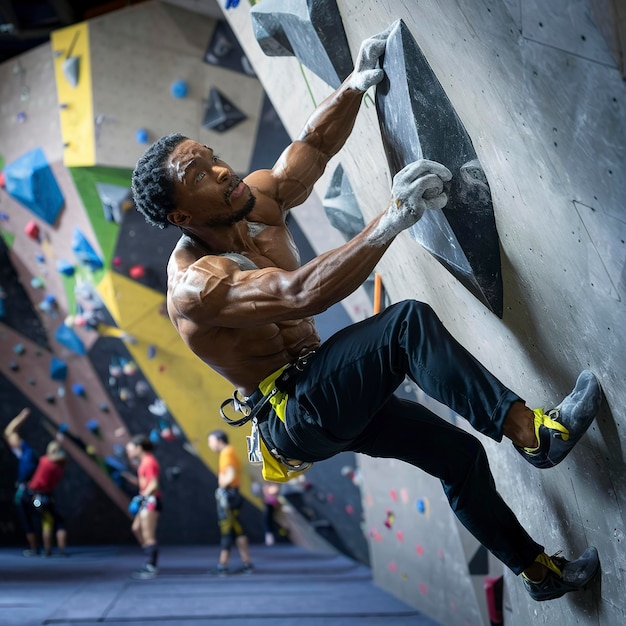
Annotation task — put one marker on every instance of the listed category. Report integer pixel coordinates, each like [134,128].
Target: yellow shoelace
[541,418]
[546,561]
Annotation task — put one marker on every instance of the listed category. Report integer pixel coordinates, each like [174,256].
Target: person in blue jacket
[26,465]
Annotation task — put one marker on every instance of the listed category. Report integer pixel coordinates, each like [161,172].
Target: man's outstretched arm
[302,163]
[215,291]
[14,425]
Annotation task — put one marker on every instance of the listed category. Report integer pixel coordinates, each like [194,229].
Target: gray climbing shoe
[563,576]
[559,429]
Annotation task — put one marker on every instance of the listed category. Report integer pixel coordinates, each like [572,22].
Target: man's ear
[178,218]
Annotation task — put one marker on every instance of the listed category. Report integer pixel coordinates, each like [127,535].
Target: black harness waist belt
[257,404]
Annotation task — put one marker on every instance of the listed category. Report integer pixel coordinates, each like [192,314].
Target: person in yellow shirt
[229,502]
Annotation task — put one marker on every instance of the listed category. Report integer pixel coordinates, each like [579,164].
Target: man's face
[214,443]
[206,190]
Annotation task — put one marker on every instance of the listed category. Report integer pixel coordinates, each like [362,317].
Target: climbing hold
[167,434]
[65,267]
[141,135]
[30,180]
[422,505]
[220,113]
[48,304]
[68,338]
[137,272]
[19,349]
[13,366]
[129,368]
[104,407]
[115,367]
[341,206]
[21,117]
[179,89]
[36,282]
[32,230]
[391,518]
[312,31]
[32,381]
[79,390]
[117,261]
[50,399]
[414,112]
[142,388]
[84,251]
[94,427]
[58,369]
[158,407]
[154,435]
[151,352]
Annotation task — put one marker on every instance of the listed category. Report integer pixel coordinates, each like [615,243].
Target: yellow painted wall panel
[70,47]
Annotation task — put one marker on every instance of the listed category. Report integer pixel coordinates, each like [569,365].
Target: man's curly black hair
[152,185]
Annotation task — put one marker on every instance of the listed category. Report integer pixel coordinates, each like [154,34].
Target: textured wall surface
[543,101]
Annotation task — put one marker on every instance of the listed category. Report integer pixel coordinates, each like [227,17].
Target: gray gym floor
[290,586]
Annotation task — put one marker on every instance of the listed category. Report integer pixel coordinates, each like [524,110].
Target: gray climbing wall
[133,74]
[540,94]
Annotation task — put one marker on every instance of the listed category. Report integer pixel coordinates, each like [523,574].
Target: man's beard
[233,218]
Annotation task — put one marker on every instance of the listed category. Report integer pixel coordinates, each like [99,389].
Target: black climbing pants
[344,400]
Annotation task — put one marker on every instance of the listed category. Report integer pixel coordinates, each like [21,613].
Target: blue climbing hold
[179,89]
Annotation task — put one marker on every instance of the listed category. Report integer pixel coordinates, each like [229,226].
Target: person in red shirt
[44,481]
[145,507]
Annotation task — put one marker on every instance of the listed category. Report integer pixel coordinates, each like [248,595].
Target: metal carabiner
[239,406]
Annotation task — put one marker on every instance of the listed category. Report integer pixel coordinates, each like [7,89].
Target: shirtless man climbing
[242,302]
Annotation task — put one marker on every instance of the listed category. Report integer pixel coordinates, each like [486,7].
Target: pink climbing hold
[137,272]
[32,230]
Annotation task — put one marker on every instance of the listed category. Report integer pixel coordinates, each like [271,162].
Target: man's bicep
[295,173]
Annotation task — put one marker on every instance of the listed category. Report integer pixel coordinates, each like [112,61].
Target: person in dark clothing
[26,465]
